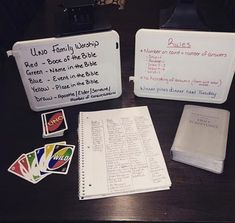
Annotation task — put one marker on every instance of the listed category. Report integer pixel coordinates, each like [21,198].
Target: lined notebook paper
[119,154]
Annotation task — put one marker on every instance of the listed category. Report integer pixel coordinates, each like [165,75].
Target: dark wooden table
[195,196]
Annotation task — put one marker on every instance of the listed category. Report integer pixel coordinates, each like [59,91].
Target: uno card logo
[55,121]
[60,158]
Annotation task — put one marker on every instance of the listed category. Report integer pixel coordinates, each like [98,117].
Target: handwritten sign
[58,72]
[184,65]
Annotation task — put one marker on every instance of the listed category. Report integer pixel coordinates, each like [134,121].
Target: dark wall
[15,16]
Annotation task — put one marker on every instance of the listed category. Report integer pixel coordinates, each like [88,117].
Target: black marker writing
[60,49]
[88,44]
[35,52]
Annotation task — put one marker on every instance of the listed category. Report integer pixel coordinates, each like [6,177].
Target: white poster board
[184,65]
[58,72]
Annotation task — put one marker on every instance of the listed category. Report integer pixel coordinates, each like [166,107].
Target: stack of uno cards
[36,165]
[53,123]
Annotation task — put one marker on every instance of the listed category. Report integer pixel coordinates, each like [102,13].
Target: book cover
[201,137]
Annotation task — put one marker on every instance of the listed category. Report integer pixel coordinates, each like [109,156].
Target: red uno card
[20,168]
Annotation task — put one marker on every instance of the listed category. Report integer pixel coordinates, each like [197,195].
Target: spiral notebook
[119,154]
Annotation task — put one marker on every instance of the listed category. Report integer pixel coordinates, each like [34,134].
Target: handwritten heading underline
[175,47]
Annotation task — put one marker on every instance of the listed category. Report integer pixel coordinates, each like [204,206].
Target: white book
[119,154]
[201,138]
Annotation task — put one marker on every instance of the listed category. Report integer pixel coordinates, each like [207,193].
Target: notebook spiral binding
[81,181]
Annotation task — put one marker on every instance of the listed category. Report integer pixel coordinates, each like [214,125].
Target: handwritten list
[70,70]
[184,65]
[120,153]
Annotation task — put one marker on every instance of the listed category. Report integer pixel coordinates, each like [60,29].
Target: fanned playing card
[19,169]
[34,168]
[40,155]
[41,162]
[60,159]
[48,149]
